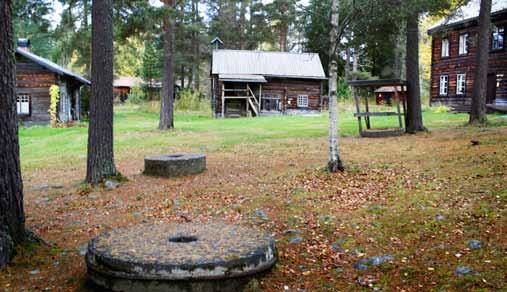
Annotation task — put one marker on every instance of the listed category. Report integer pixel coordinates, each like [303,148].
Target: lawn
[415,200]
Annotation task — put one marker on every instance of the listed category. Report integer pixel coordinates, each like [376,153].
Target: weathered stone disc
[180,253]
[173,165]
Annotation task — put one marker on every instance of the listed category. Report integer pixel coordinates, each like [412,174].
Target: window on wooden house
[23,104]
[302,100]
[460,83]
[444,84]
[463,44]
[497,38]
[445,47]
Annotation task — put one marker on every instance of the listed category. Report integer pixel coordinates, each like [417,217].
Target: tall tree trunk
[414,122]
[100,130]
[167,99]
[242,12]
[12,217]
[284,31]
[334,163]
[195,46]
[478,109]
[347,63]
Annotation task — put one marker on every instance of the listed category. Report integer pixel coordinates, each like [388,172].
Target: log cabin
[454,46]
[122,86]
[34,76]
[385,95]
[256,83]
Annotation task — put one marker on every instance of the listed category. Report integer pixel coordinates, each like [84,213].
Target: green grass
[136,128]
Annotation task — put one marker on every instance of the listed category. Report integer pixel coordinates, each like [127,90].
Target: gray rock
[440,217]
[111,184]
[474,244]
[174,165]
[35,272]
[463,270]
[363,264]
[338,245]
[296,240]
[42,201]
[92,196]
[260,214]
[291,232]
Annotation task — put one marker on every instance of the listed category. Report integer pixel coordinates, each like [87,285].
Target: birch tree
[334,163]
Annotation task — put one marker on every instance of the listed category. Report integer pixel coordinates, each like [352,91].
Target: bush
[440,109]
[136,95]
[189,101]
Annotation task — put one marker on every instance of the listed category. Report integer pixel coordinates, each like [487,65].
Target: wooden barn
[454,49]
[256,83]
[385,95]
[122,86]
[34,76]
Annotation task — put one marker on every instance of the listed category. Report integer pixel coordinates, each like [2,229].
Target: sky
[57,6]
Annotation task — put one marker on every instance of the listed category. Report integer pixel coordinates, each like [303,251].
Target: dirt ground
[418,198]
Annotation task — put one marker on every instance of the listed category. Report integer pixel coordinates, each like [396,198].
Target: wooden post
[223,100]
[260,97]
[367,118]
[247,99]
[358,109]
[77,100]
[397,96]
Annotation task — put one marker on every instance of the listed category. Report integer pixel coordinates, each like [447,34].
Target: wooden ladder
[252,100]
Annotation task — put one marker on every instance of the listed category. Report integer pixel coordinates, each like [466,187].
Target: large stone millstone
[179,257]
[173,165]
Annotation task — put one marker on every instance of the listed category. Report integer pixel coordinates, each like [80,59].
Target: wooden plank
[358,109]
[368,126]
[377,114]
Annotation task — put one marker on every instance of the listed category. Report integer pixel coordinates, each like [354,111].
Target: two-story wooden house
[454,44]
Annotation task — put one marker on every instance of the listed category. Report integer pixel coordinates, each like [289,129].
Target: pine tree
[12,218]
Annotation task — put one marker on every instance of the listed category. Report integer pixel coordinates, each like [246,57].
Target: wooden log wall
[34,80]
[464,64]
[288,89]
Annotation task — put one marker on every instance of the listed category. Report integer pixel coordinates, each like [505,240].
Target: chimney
[24,44]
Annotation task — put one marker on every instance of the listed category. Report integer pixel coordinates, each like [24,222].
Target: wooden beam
[358,109]
[223,100]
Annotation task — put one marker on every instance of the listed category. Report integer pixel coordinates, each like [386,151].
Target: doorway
[491,89]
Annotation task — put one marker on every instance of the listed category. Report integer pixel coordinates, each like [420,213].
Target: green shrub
[189,101]
[136,95]
[440,109]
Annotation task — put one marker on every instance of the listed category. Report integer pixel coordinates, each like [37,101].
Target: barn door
[491,90]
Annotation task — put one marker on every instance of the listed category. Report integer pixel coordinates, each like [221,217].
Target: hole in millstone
[182,239]
[174,155]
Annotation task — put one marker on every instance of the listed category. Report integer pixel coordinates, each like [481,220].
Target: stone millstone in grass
[173,165]
[179,257]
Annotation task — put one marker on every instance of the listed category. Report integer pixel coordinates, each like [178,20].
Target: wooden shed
[255,83]
[122,86]
[385,95]
[34,76]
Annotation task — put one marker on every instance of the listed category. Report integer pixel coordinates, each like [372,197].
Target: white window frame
[445,48]
[444,84]
[461,84]
[497,32]
[463,43]
[23,104]
[302,100]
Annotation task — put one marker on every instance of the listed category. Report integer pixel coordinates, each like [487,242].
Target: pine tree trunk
[334,163]
[478,108]
[414,122]
[100,130]
[12,218]
[242,22]
[195,47]
[167,99]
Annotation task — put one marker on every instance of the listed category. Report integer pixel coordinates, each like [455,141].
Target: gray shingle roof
[268,64]
[53,67]
[468,13]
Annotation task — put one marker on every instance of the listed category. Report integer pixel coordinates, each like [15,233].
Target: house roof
[242,78]
[390,89]
[468,13]
[127,81]
[268,64]
[53,67]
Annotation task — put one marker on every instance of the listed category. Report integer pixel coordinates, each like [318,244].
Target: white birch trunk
[334,163]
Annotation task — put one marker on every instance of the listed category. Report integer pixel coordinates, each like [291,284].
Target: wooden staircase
[252,103]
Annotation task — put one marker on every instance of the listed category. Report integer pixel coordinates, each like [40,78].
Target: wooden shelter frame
[367,114]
